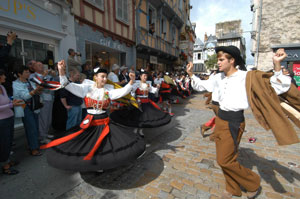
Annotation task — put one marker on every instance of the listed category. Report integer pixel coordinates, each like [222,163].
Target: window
[199,56]
[163,27]
[122,10]
[151,19]
[32,51]
[180,5]
[173,36]
[97,3]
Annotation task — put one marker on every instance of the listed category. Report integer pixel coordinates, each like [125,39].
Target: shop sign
[24,11]
[296,70]
[153,59]
[293,55]
[297,79]
[183,45]
[18,8]
[111,44]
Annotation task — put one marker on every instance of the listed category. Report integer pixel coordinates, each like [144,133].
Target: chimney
[205,37]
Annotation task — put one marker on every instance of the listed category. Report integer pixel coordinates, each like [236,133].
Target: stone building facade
[231,33]
[276,25]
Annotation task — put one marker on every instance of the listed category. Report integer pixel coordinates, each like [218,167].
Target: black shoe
[252,195]
[35,152]
[13,163]
[9,171]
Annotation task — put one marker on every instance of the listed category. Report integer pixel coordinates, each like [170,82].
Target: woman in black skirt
[149,115]
[97,144]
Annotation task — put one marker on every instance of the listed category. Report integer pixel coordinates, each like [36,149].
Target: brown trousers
[235,174]
[215,108]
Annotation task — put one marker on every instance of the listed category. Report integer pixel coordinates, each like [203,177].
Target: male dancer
[230,122]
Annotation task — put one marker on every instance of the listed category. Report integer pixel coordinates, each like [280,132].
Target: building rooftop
[230,35]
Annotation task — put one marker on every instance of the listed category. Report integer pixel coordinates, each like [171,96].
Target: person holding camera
[74,60]
[5,49]
[4,55]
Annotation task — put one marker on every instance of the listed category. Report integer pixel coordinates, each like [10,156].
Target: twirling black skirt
[119,147]
[165,96]
[148,117]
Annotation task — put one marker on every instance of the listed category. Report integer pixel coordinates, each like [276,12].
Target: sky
[206,13]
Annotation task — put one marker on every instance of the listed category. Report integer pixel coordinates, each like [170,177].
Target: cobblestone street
[178,163]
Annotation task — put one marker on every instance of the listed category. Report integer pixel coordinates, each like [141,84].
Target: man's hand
[45,73]
[68,107]
[279,56]
[52,73]
[189,69]
[17,102]
[39,89]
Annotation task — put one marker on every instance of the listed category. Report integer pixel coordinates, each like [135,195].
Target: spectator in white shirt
[113,75]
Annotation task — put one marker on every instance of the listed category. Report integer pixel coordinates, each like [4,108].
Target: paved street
[179,163]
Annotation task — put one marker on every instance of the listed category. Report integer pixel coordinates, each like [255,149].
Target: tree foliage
[211,62]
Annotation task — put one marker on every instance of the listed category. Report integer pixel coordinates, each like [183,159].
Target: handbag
[35,101]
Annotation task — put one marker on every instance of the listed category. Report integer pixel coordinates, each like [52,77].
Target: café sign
[111,44]
[292,55]
[153,59]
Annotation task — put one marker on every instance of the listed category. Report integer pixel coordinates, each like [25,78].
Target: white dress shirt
[215,93]
[231,91]
[158,81]
[113,77]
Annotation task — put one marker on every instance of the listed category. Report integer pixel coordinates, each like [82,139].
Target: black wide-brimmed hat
[235,53]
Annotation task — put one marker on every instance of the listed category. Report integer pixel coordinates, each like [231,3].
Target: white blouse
[88,89]
[143,86]
[158,80]
[231,91]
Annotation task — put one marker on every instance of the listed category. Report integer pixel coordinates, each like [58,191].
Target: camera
[11,32]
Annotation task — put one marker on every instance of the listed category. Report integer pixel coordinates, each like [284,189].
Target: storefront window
[25,50]
[109,56]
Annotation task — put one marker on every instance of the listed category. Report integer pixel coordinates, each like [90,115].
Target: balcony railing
[156,42]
